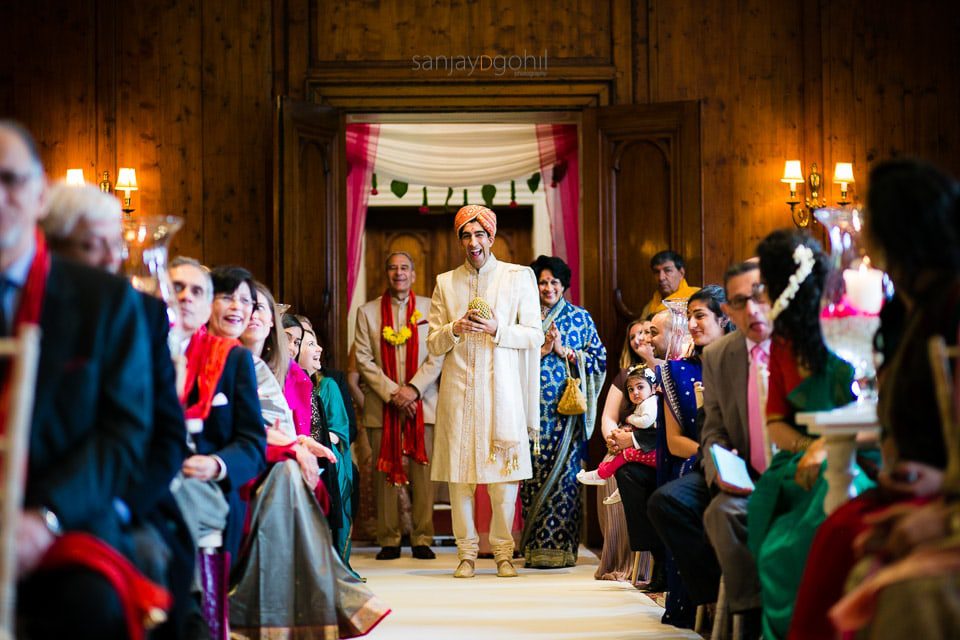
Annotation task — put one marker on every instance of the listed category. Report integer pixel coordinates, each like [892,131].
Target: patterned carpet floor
[557,604]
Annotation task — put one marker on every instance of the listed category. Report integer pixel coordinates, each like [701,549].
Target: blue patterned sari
[679,398]
[551,498]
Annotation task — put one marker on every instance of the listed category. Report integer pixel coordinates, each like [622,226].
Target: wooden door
[641,194]
[430,240]
[310,219]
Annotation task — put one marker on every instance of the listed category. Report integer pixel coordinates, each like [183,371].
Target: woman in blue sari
[678,434]
[551,498]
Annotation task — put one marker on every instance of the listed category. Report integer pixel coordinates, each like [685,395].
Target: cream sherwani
[378,390]
[489,394]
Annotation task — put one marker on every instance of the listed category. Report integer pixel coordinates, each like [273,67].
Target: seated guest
[700,502]
[317,428]
[84,224]
[786,507]
[332,413]
[343,387]
[679,437]
[616,557]
[283,437]
[637,481]
[221,391]
[90,427]
[291,579]
[923,260]
[670,273]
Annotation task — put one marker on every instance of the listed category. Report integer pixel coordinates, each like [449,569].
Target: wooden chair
[947,389]
[22,354]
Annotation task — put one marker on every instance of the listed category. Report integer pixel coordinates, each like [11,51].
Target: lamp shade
[792,172]
[126,180]
[843,173]
[75,177]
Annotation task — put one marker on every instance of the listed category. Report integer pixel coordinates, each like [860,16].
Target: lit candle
[864,288]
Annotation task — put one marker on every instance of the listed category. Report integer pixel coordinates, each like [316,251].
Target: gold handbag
[572,402]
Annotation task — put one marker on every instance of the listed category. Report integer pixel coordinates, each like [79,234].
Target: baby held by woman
[642,423]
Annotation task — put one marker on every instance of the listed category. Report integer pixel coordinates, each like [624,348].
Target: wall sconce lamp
[126,182]
[793,175]
[843,175]
[75,177]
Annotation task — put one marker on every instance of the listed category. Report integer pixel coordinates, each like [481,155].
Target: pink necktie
[758,456]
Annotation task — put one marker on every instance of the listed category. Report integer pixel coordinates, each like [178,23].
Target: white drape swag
[452,155]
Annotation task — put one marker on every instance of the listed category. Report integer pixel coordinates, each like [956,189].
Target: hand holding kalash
[485,320]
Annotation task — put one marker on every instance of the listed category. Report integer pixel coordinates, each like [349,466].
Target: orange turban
[485,217]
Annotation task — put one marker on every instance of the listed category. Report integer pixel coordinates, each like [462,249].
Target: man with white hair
[84,224]
[91,418]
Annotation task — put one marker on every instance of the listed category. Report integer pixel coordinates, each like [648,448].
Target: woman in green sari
[786,507]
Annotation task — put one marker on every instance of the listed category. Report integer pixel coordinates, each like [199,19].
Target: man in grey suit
[396,397]
[700,502]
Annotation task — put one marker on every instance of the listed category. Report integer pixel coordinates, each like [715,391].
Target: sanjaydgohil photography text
[525,64]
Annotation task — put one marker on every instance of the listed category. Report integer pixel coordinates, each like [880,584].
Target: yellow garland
[398,338]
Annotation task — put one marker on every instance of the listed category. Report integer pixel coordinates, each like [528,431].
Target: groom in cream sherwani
[489,402]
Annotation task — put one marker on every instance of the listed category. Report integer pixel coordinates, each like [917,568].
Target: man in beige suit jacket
[402,395]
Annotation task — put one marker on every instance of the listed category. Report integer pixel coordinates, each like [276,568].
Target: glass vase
[147,241]
[853,295]
[678,340]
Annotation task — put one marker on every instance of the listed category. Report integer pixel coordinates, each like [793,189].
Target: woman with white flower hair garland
[787,505]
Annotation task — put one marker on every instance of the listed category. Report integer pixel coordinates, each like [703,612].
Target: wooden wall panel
[183,91]
[891,83]
[397,30]
[181,125]
[53,90]
[742,60]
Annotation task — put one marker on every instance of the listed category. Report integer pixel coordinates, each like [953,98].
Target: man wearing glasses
[682,510]
[91,417]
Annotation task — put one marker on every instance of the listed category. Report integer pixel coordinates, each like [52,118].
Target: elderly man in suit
[91,417]
[223,414]
[701,501]
[84,225]
[400,403]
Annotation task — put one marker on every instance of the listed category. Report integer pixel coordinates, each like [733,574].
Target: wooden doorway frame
[379,95]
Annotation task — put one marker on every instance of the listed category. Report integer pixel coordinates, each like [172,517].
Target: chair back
[948,402]
[21,354]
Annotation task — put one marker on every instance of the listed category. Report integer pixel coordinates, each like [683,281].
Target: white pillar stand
[840,428]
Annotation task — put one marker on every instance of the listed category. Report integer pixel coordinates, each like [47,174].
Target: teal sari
[338,424]
[782,516]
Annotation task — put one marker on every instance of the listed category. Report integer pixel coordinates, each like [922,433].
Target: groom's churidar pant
[503,503]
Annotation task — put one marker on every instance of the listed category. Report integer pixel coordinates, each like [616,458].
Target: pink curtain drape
[560,174]
[361,158]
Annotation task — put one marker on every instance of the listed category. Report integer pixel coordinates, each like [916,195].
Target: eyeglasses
[227,298]
[13,180]
[759,296]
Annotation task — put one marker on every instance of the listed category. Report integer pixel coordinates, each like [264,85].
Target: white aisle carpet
[429,604]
